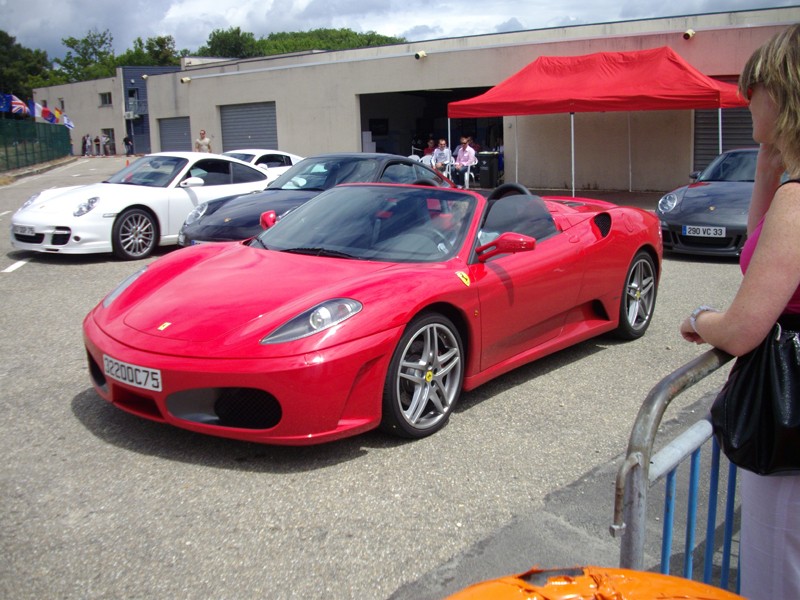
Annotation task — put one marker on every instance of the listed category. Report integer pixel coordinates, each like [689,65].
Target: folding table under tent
[656,79]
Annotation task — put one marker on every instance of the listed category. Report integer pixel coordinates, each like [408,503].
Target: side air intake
[603,222]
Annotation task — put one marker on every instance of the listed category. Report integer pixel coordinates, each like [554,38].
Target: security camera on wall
[688,34]
[421,54]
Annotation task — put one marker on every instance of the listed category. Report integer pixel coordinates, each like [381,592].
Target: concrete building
[384,98]
[115,107]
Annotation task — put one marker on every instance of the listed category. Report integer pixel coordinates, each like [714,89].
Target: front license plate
[141,377]
[23,230]
[703,231]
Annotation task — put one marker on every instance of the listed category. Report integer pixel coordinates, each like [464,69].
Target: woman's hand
[689,334]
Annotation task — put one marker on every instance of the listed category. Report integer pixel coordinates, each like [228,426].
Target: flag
[18,107]
[35,108]
[58,115]
[5,102]
[68,123]
[48,115]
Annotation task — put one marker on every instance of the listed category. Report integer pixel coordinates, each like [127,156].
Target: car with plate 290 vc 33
[708,217]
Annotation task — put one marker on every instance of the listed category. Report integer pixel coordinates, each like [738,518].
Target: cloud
[36,25]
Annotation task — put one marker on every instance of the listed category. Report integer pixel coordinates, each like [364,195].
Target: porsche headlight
[197,213]
[122,287]
[668,202]
[85,207]
[321,317]
[29,201]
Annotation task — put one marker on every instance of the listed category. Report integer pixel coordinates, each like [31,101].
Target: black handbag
[756,416]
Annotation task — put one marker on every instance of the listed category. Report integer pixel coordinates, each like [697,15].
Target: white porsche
[274,162]
[135,210]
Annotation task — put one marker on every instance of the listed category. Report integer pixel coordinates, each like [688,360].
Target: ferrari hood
[233,286]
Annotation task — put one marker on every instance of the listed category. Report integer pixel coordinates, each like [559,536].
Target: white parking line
[15,266]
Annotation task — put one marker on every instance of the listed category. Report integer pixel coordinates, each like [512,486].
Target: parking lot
[97,503]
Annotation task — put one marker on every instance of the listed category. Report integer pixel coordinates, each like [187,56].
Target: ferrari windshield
[324,172]
[376,222]
[151,171]
[732,166]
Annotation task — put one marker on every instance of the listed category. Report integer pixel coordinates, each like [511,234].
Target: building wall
[319,108]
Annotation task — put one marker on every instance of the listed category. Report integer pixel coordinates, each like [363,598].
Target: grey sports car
[709,216]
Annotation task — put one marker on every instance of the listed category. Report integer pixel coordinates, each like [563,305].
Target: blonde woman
[770,289]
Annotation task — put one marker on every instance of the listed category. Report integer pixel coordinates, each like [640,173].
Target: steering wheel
[507,189]
[437,237]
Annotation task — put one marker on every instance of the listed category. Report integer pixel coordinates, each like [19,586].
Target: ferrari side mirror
[506,243]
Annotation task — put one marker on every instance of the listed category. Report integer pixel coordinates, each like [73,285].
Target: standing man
[465,157]
[202,144]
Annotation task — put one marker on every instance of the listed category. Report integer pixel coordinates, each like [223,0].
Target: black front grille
[36,238]
[61,236]
[247,409]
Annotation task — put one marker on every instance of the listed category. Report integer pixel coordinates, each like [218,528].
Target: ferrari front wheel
[424,378]
[638,297]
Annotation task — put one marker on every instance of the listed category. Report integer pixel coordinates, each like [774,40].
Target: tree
[18,65]
[230,43]
[155,52]
[322,39]
[88,58]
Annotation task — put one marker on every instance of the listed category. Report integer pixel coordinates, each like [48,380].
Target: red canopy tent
[656,79]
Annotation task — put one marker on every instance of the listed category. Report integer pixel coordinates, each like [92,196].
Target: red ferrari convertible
[373,305]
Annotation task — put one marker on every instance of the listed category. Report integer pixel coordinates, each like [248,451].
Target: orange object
[592,583]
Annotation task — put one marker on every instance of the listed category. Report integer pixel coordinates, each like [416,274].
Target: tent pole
[572,146]
[449,146]
[516,151]
[630,156]
[719,128]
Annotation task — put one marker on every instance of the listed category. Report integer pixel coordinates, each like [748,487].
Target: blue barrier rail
[641,469]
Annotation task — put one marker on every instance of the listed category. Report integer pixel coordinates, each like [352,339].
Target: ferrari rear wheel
[134,235]
[638,298]
[424,378]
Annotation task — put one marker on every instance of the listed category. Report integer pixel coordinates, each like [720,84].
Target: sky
[42,24]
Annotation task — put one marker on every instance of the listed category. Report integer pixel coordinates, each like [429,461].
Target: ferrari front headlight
[85,207]
[122,287]
[316,319]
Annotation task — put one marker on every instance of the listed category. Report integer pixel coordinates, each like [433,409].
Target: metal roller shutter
[249,126]
[175,134]
[737,132]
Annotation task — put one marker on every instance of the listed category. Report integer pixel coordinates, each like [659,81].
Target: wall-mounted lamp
[688,34]
[420,55]
[145,76]
[185,79]
[133,81]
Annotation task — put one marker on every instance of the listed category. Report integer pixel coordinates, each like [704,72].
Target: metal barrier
[24,143]
[641,469]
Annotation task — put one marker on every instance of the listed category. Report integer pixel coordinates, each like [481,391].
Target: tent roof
[657,79]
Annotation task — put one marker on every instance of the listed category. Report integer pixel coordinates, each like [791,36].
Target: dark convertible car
[709,216]
[239,217]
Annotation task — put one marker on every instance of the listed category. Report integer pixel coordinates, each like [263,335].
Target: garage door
[249,126]
[175,135]
[737,132]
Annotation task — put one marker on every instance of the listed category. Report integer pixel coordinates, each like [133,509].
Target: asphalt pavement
[100,504]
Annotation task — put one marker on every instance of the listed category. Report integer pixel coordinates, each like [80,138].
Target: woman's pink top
[747,254]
